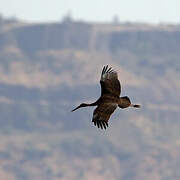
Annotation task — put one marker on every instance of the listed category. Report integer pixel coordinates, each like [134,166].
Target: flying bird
[109,100]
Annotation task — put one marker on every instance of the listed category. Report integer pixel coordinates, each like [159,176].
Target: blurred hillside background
[46,69]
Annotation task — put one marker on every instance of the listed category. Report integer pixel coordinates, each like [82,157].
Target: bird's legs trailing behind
[135,105]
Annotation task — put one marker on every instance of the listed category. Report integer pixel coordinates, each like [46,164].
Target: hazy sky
[93,10]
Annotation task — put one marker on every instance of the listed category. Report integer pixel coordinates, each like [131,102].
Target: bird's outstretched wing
[102,114]
[109,82]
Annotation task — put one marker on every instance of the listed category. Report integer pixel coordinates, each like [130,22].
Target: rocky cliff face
[47,69]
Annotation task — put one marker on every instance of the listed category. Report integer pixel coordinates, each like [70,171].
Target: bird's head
[81,105]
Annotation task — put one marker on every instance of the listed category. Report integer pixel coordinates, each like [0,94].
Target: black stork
[110,98]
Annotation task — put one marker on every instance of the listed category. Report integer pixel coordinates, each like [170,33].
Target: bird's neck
[91,104]
[94,103]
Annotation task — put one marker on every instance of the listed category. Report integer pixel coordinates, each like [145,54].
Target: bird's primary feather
[102,114]
[109,82]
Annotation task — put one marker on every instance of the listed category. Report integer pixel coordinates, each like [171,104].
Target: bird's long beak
[76,108]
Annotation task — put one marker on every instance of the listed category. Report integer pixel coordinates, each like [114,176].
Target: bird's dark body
[110,98]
